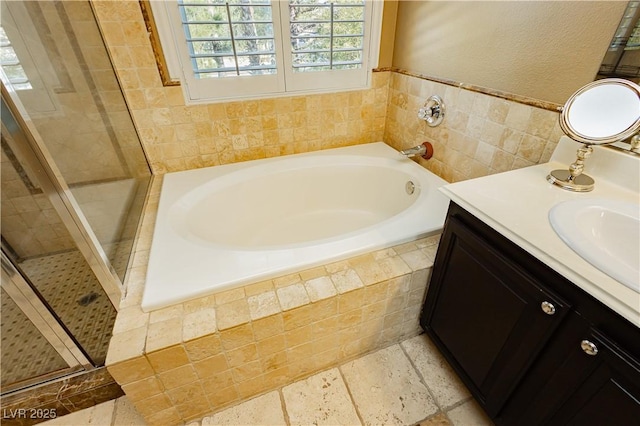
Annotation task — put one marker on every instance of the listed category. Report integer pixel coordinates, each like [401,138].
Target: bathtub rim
[151,301]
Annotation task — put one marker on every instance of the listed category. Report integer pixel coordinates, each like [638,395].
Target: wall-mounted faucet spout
[424,150]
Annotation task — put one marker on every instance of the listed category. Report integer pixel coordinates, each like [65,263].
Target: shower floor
[70,288]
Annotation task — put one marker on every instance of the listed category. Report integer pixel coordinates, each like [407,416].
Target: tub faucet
[424,150]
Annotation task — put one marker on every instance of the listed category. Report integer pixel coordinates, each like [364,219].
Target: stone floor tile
[263,410]
[125,414]
[467,414]
[98,415]
[387,390]
[437,420]
[440,378]
[321,399]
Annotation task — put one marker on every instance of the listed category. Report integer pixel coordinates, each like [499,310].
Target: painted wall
[543,50]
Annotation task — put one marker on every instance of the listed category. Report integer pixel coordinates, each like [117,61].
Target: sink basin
[605,233]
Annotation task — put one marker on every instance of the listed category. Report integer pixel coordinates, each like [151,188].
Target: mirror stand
[602,112]
[573,179]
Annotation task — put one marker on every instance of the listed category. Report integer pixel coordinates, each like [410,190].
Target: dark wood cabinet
[513,329]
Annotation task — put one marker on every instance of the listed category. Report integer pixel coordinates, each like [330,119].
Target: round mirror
[601,112]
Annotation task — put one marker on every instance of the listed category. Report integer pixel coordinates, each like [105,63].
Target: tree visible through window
[229,38]
[273,43]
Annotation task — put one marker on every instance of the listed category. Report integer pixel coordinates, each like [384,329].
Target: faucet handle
[433,111]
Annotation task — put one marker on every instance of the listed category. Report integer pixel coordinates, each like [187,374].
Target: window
[255,48]
[11,65]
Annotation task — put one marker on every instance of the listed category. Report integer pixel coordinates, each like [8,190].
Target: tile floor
[405,384]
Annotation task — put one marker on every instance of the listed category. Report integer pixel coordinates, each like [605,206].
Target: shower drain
[87,299]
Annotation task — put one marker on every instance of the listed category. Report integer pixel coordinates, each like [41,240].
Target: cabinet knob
[589,347]
[548,308]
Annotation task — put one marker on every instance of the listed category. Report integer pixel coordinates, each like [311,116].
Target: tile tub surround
[480,135]
[182,362]
[429,393]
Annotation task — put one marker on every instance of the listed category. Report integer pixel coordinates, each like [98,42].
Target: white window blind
[326,36]
[229,38]
[255,48]
[11,65]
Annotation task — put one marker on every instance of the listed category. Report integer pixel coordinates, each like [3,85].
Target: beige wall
[543,50]
[388,33]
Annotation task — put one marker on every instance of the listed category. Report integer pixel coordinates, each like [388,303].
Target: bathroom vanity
[538,334]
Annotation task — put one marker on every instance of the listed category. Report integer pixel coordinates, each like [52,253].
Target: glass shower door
[60,73]
[56,316]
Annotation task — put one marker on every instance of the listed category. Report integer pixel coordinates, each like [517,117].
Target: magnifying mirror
[602,112]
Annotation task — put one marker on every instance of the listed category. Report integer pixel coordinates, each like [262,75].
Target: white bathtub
[225,226]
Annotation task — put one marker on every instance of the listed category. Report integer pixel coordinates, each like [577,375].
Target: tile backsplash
[481,134]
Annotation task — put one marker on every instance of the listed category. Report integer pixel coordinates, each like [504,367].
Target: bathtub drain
[410,187]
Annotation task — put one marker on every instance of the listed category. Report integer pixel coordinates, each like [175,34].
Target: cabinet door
[595,382]
[486,314]
[607,385]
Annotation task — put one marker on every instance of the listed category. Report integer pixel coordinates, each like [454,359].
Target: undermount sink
[605,233]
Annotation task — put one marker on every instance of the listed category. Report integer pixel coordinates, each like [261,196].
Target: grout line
[113,412]
[283,404]
[422,379]
[353,401]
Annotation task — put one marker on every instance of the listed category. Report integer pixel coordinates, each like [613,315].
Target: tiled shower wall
[480,135]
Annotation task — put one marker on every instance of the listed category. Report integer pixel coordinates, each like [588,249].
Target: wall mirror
[622,59]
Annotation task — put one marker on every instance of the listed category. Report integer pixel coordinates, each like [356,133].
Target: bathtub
[222,227]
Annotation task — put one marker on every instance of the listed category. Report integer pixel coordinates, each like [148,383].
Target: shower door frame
[34,153]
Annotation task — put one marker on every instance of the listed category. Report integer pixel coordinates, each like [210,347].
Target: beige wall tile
[168,359]
[178,377]
[233,313]
[153,404]
[164,334]
[199,323]
[142,389]
[236,337]
[209,366]
[242,355]
[292,296]
[131,370]
[203,347]
[229,296]
[350,301]
[272,344]
[217,381]
[263,304]
[126,345]
[320,288]
[346,280]
[268,327]
[220,397]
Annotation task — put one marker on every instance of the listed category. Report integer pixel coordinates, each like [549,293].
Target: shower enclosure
[74,181]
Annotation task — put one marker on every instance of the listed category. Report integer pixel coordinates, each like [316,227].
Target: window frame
[285,82]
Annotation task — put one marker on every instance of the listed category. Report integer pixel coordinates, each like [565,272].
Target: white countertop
[517,204]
